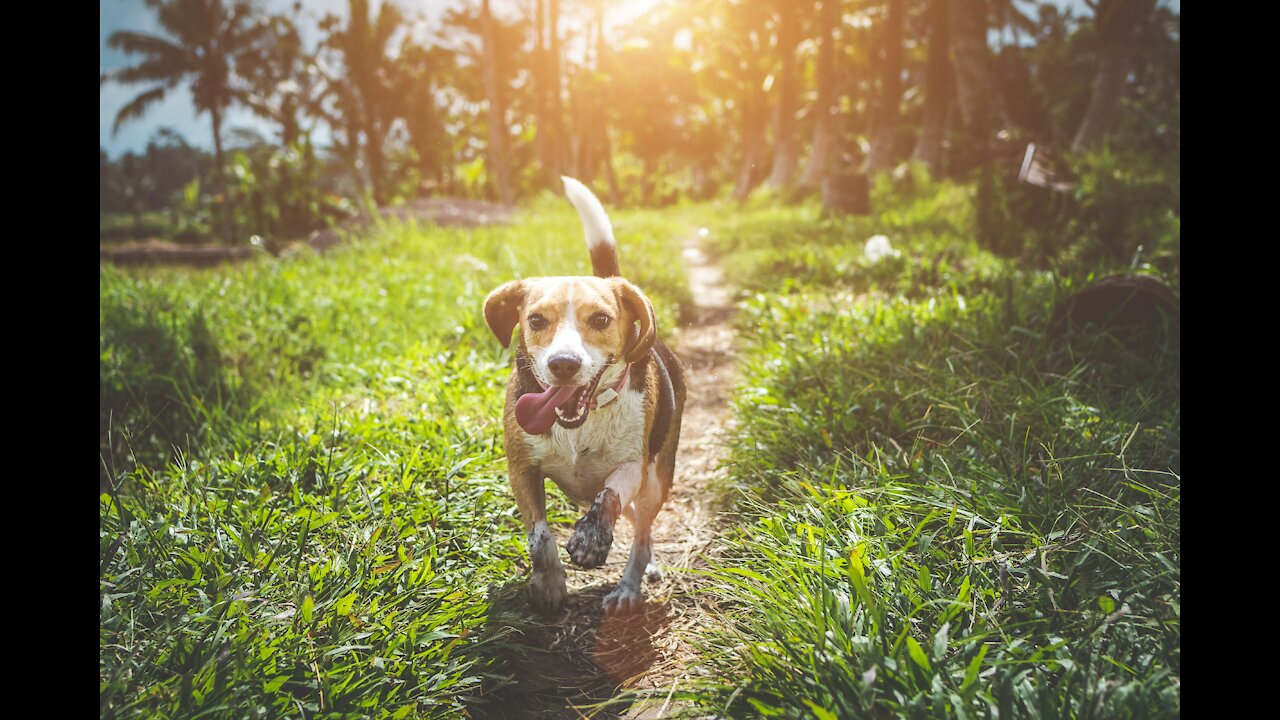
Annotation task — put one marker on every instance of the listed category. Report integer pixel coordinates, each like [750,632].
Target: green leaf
[308,605]
[858,577]
[275,683]
[962,597]
[975,666]
[917,654]
[820,712]
[1106,604]
[344,605]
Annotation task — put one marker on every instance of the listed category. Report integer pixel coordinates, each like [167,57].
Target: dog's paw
[652,572]
[547,592]
[589,546]
[593,534]
[625,599]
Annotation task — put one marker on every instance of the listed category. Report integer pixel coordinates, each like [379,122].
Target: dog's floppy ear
[502,309]
[639,306]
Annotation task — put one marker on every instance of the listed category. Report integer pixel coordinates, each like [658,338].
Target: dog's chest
[580,460]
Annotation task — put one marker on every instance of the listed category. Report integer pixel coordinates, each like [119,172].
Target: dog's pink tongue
[536,412]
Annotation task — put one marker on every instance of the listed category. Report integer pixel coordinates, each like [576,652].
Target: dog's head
[574,329]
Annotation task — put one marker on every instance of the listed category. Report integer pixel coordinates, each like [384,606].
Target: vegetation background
[948,494]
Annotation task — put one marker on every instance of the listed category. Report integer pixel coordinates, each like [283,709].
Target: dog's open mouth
[567,405]
[574,411]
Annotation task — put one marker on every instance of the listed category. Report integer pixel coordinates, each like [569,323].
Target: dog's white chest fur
[579,460]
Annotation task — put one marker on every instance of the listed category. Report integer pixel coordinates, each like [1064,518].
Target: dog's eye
[599,321]
[537,322]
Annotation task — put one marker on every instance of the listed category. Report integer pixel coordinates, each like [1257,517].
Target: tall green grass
[939,511]
[304,509]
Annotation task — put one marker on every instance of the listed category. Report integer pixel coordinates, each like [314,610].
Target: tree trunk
[606,149]
[753,147]
[884,125]
[220,176]
[592,118]
[555,104]
[968,41]
[497,155]
[824,125]
[786,151]
[373,156]
[351,152]
[542,138]
[937,88]
[973,73]
[1116,21]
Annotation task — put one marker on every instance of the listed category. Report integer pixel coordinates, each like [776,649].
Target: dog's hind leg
[627,596]
[593,534]
[547,591]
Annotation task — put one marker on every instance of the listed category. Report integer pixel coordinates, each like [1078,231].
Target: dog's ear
[502,310]
[635,302]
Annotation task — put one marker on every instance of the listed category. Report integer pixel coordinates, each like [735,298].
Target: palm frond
[193,22]
[141,43]
[151,71]
[389,20]
[137,106]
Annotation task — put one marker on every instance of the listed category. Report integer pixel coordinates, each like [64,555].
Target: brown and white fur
[583,331]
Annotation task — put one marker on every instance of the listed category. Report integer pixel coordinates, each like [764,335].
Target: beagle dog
[594,403]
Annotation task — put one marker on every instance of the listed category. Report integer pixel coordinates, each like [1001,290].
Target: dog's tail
[604,252]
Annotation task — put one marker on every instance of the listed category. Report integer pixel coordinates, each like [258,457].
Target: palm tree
[283,80]
[1115,22]
[203,39]
[363,91]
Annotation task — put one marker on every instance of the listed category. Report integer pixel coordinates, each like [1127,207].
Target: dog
[594,402]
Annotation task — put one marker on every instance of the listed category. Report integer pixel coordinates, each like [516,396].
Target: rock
[324,240]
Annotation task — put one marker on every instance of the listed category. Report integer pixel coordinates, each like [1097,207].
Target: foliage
[140,184]
[407,110]
[1128,207]
[276,193]
[191,214]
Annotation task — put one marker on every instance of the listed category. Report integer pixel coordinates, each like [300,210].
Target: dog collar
[610,394]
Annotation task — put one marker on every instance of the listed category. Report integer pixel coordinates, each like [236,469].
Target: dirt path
[582,659]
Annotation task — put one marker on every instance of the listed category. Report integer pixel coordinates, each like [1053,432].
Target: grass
[304,508]
[939,512]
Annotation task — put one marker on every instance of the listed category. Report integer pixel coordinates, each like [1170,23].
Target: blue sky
[176,111]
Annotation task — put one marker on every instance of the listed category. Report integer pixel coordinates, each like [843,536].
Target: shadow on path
[579,659]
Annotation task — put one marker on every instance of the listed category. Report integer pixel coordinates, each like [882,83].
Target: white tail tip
[594,219]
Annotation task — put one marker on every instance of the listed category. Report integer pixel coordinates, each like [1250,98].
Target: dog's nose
[564,366]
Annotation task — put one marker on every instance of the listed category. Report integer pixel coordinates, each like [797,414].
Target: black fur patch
[527,383]
[604,260]
[638,370]
[670,377]
[593,534]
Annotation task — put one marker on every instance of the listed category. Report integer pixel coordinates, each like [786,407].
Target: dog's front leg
[627,597]
[547,590]
[593,534]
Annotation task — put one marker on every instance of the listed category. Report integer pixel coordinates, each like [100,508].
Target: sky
[176,111]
